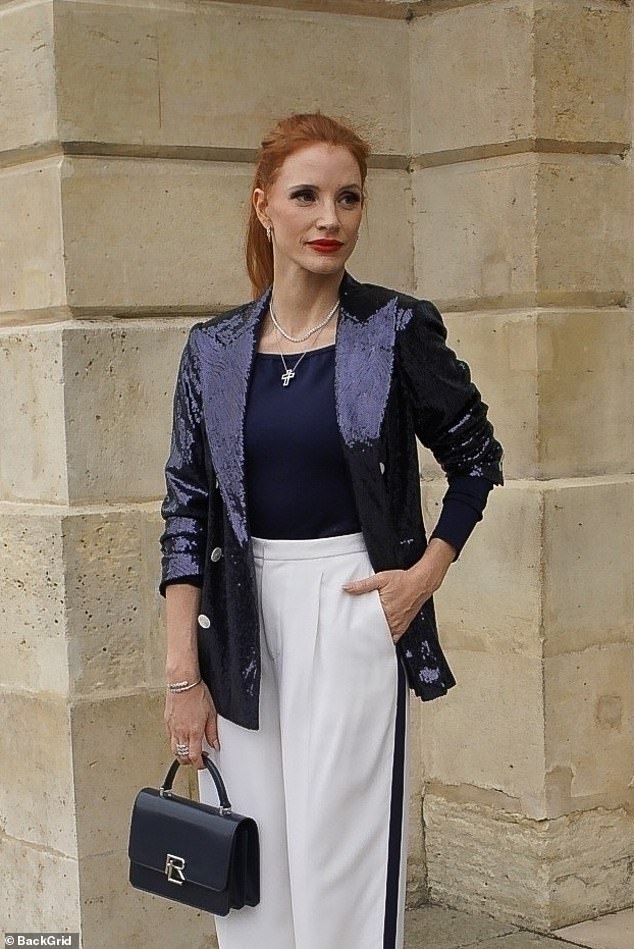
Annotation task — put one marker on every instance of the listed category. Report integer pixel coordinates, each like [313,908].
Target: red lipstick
[325,247]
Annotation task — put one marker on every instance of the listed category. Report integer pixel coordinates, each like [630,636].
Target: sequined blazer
[395,379]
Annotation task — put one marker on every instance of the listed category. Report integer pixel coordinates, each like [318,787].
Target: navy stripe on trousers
[397,809]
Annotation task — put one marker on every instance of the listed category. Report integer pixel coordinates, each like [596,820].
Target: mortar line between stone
[13,158]
[520,146]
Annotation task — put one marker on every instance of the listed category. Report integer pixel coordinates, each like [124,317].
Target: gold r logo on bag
[174,867]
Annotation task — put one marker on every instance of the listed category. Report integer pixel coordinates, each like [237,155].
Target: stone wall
[501,189]
[523,234]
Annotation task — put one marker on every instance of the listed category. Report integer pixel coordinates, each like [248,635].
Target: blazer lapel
[228,358]
[364,360]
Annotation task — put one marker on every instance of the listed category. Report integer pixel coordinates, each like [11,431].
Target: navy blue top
[297,481]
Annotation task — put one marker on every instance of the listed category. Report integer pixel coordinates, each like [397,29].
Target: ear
[260,204]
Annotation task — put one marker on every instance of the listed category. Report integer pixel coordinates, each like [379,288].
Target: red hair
[288,136]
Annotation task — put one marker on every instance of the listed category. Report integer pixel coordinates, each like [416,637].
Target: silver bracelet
[182,686]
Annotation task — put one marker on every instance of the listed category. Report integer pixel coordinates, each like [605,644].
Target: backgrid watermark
[42,939]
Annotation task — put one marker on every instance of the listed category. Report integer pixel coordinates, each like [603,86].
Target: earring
[268,232]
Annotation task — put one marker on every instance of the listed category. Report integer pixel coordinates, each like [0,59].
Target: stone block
[481,859]
[121,75]
[590,856]
[474,232]
[472,742]
[384,254]
[154,234]
[585,363]
[27,78]
[559,385]
[41,892]
[32,617]
[115,914]
[588,594]
[489,601]
[498,232]
[115,636]
[589,719]
[119,384]
[584,214]
[32,273]
[32,460]
[514,71]
[498,598]
[543,874]
[38,803]
[582,71]
[501,350]
[475,64]
[119,745]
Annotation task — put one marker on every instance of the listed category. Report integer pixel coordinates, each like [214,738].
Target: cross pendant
[287,376]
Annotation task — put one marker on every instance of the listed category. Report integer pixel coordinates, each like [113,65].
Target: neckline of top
[309,352]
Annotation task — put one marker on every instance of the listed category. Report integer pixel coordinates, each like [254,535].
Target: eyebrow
[349,187]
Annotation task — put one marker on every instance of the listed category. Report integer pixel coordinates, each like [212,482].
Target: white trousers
[325,775]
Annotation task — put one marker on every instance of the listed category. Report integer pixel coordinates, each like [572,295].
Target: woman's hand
[188,716]
[403,592]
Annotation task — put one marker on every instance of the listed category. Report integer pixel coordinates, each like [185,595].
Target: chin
[326,265]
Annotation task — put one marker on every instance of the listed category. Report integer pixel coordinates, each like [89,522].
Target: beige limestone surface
[501,751]
[588,588]
[541,874]
[539,370]
[496,610]
[36,741]
[118,406]
[122,78]
[508,225]
[116,638]
[32,427]
[33,646]
[31,236]
[43,886]
[514,71]
[28,109]
[589,698]
[477,62]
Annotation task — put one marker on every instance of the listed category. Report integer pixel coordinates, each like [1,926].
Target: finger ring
[182,749]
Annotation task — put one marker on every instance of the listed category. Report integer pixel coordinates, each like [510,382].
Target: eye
[303,195]
[350,199]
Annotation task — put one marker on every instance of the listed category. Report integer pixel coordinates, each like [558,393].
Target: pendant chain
[289,373]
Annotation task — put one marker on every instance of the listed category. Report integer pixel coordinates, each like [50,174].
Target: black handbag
[203,855]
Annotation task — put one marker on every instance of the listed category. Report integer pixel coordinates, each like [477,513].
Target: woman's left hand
[403,592]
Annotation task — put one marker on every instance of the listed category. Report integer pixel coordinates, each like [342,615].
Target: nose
[328,218]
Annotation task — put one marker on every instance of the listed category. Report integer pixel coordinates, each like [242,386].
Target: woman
[296,570]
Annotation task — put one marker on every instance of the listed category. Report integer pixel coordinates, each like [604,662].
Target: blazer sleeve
[186,504]
[450,417]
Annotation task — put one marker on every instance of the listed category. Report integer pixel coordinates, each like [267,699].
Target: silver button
[204,621]
[382,467]
[216,554]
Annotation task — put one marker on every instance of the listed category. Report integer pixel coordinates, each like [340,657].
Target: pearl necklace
[301,339]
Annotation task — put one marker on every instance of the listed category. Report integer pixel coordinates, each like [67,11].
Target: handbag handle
[223,798]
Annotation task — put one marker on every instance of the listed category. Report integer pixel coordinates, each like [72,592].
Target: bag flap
[188,830]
